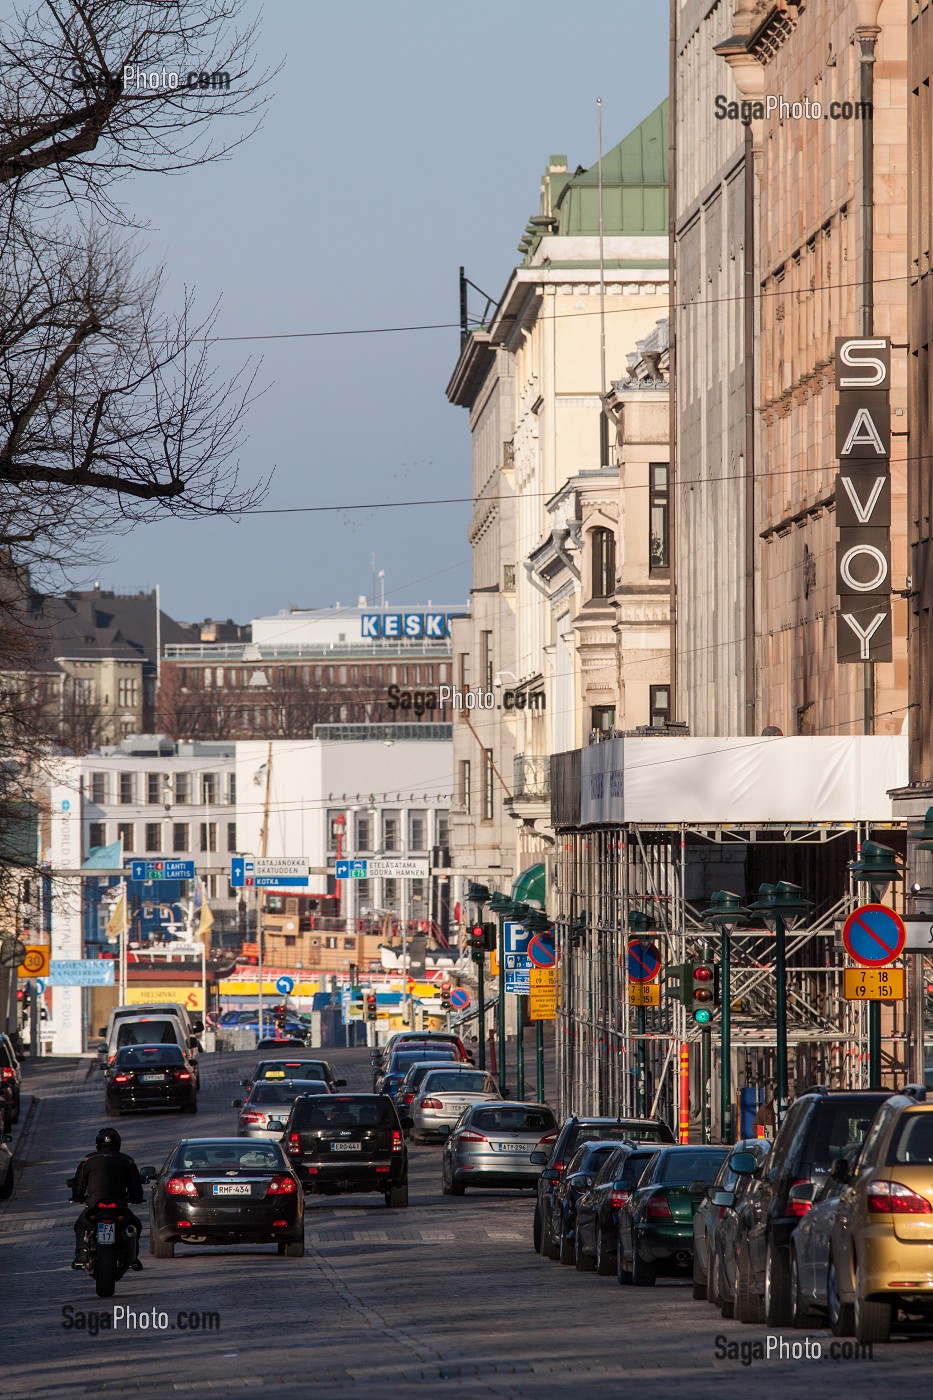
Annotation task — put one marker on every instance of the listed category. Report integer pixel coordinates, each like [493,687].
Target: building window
[364,894]
[488,777]
[180,838]
[128,693]
[603,718]
[391,832]
[464,669]
[231,836]
[486,659]
[417,831]
[97,834]
[209,789]
[508,578]
[464,789]
[659,704]
[208,836]
[350,944]
[154,789]
[604,563]
[417,897]
[289,940]
[364,833]
[390,894]
[125,834]
[441,829]
[659,517]
[153,836]
[182,789]
[127,787]
[99,788]
[231,790]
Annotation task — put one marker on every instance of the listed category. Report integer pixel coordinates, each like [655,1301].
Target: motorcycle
[110,1243]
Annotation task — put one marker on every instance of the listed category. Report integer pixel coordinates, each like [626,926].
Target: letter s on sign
[856,354]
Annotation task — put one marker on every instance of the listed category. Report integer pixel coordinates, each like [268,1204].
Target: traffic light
[445,995]
[371,1012]
[478,938]
[696,985]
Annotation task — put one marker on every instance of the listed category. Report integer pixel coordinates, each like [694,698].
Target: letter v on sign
[863,499]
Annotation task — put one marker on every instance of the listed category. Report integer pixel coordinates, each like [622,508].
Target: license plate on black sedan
[152,1079]
[233,1188]
[346,1147]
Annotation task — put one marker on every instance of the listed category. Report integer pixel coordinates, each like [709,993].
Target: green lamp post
[726,911]
[479,895]
[536,921]
[780,906]
[639,923]
[876,866]
[503,908]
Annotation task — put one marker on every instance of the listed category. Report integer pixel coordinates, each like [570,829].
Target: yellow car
[882,1235]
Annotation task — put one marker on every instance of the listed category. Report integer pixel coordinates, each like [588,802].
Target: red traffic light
[445,987]
[703,974]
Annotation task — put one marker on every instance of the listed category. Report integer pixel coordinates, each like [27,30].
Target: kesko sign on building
[863,498]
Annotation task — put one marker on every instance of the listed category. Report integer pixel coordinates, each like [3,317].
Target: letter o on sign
[871,585]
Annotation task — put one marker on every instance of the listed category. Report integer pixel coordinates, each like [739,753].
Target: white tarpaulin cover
[742,781]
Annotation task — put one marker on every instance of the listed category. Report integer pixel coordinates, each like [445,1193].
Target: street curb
[27,1126]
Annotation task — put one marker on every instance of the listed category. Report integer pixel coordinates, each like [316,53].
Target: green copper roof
[634,185]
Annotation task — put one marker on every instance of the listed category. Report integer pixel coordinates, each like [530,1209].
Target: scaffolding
[616,1058]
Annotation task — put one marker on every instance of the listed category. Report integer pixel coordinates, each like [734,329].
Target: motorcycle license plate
[346,1147]
[232,1188]
[106,1232]
[151,1078]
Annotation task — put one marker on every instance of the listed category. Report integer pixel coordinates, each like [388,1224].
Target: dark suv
[575,1131]
[819,1126]
[339,1143]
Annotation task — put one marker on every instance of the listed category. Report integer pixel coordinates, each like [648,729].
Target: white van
[149,1027]
[192,1026]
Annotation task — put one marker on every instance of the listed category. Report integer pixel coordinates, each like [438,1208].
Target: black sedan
[598,1208]
[222,1191]
[294,1067]
[579,1178]
[150,1076]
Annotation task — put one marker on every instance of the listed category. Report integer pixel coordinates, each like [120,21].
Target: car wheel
[111,1111]
[162,1249]
[457,1188]
[777,1287]
[584,1263]
[726,1305]
[712,1280]
[397,1196]
[6,1190]
[872,1320]
[292,1249]
[643,1274]
[565,1249]
[536,1230]
[623,1275]
[749,1306]
[839,1314]
[550,1247]
[605,1262]
[801,1314]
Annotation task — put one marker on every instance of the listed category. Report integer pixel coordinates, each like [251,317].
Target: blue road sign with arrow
[285,985]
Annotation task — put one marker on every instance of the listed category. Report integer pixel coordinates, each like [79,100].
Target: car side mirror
[69,1183]
[102,1048]
[407,1123]
[743,1163]
[275,1125]
[549,1174]
[840,1171]
[803,1192]
[341,1083]
[102,1030]
[540,1159]
[244,1083]
[147,1174]
[236,1103]
[722,1198]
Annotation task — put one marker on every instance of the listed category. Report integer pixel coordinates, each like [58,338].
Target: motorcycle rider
[106,1175]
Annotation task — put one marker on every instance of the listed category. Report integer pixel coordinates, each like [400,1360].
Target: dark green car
[656,1223]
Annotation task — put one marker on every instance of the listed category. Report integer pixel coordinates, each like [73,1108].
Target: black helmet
[108,1140]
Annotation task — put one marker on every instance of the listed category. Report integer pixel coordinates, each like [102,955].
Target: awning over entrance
[530,887]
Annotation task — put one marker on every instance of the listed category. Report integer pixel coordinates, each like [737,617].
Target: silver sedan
[270,1102]
[443,1095]
[492,1146]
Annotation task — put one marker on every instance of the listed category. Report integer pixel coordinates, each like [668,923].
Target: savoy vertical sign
[863,498]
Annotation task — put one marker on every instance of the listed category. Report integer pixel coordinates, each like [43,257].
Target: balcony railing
[532,775]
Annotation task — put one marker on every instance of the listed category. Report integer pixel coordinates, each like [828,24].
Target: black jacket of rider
[107,1176]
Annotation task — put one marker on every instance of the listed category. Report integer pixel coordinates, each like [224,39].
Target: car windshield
[286,1092]
[292,1069]
[610,1166]
[147,1033]
[633,1167]
[592,1158]
[913,1144]
[588,1132]
[458,1081]
[226,1156]
[405,1058]
[683,1166]
[513,1120]
[138,1056]
[339,1112]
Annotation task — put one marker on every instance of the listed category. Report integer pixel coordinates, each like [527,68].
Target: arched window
[604,563]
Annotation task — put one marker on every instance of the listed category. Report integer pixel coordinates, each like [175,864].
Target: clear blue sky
[403,140]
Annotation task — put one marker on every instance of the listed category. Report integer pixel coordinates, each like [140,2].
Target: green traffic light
[702,1017]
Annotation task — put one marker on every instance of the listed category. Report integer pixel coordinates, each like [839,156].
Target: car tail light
[383,1169]
[618,1199]
[106,1205]
[181,1186]
[252,1117]
[294,1142]
[282,1186]
[279,1224]
[893,1198]
[406,1098]
[430,1103]
[799,1208]
[122,1078]
[658,1208]
[397,1144]
[470,1135]
[548,1139]
[184,1224]
[182,1074]
[8,1073]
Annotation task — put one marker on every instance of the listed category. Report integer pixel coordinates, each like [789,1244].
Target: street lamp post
[536,921]
[780,905]
[479,895]
[725,912]
[877,867]
[503,908]
[521,914]
[639,923]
